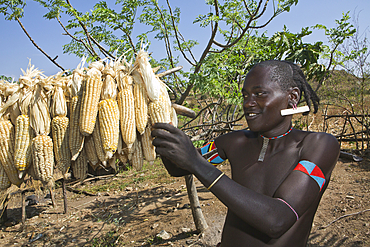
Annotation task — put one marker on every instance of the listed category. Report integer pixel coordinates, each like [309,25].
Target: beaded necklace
[266,142]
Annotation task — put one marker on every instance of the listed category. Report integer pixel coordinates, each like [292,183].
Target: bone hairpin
[291,111]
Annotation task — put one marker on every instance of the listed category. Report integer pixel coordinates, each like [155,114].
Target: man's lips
[251,115]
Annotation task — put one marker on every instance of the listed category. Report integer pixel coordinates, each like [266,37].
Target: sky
[17,48]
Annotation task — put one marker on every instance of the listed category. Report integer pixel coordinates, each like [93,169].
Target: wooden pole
[200,222]
[65,196]
[23,196]
[52,198]
[3,213]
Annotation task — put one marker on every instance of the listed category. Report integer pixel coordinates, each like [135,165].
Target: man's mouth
[251,115]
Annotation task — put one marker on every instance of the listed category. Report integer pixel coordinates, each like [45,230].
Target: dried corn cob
[4,180]
[43,159]
[174,120]
[137,158]
[157,112]
[127,114]
[80,167]
[76,139]
[148,148]
[122,157]
[152,82]
[92,87]
[7,151]
[98,143]
[60,127]
[109,126]
[112,161]
[90,152]
[22,148]
[141,103]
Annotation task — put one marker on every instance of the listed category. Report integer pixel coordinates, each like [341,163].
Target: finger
[165,126]
[160,133]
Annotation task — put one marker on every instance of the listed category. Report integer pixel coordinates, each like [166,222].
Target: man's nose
[250,101]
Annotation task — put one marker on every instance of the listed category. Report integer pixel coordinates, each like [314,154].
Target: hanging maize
[92,86]
[80,166]
[127,109]
[42,144]
[109,114]
[141,102]
[7,151]
[98,144]
[90,152]
[148,148]
[76,139]
[137,159]
[151,81]
[60,129]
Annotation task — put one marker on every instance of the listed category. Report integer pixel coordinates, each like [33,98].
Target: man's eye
[260,93]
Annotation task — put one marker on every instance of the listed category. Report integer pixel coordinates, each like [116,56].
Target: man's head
[270,87]
[289,75]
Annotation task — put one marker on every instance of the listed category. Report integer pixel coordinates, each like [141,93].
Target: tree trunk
[200,222]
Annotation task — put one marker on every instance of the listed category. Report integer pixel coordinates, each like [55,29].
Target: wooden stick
[200,222]
[23,207]
[170,71]
[343,216]
[183,111]
[52,198]
[65,202]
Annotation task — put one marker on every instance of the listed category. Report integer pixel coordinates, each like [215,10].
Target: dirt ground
[135,213]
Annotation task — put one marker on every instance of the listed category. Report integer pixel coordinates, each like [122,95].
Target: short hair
[287,75]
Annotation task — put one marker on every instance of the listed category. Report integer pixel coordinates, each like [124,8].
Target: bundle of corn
[11,91]
[98,143]
[120,150]
[76,139]
[159,108]
[126,104]
[4,179]
[141,102]
[148,148]
[91,154]
[92,86]
[42,144]
[23,130]
[137,159]
[109,113]
[80,166]
[60,124]
[7,140]
[151,81]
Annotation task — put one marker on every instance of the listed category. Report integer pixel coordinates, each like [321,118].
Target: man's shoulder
[238,134]
[319,139]
[322,149]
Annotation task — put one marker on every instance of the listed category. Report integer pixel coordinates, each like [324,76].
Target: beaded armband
[311,170]
[209,152]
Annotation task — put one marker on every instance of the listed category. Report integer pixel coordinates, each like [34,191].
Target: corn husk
[151,81]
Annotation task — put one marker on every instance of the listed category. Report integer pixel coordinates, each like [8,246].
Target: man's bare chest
[264,177]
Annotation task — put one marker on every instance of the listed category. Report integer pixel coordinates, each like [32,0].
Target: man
[279,173]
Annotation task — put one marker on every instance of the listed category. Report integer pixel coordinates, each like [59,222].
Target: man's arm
[267,214]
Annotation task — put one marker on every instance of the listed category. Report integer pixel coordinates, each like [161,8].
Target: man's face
[263,100]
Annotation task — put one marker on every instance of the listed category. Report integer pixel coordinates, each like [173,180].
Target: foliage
[6,78]
[234,46]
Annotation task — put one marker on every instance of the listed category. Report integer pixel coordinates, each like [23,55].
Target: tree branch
[34,43]
[86,32]
[177,37]
[166,39]
[74,38]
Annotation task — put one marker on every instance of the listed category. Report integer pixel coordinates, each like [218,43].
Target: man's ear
[294,96]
